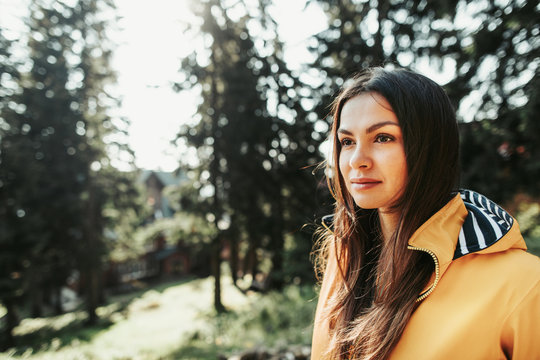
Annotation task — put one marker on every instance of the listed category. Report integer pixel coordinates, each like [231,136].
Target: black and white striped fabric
[486,224]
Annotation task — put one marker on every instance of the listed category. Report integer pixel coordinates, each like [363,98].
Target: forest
[248,209]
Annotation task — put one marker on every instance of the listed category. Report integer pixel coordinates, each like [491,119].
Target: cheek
[401,173]
[343,163]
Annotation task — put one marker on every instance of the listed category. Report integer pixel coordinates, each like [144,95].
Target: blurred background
[159,188]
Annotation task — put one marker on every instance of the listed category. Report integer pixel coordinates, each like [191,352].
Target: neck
[388,221]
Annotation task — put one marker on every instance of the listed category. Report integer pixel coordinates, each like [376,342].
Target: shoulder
[508,277]
[512,264]
[521,326]
[523,270]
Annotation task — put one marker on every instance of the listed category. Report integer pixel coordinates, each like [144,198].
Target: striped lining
[486,224]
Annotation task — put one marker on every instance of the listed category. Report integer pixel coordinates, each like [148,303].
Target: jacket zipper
[437,272]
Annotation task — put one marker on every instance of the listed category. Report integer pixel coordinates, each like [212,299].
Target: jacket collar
[439,233]
[469,223]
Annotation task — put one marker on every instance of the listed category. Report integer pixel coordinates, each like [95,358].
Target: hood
[485,225]
[468,224]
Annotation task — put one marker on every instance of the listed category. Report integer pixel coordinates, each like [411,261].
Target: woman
[412,268]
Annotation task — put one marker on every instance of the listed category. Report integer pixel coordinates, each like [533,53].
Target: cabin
[155,182]
[161,260]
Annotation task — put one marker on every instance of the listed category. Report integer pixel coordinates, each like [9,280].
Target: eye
[346,142]
[383,138]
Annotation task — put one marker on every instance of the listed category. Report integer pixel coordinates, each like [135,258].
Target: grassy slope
[176,321]
[151,327]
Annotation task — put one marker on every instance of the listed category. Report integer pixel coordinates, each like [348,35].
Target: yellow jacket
[483,301]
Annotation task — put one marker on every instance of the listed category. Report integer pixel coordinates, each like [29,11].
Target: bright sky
[148,59]
[150,47]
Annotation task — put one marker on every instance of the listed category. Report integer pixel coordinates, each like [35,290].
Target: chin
[372,203]
[367,205]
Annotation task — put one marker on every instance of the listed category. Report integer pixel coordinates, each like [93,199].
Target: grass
[171,321]
[176,320]
[274,321]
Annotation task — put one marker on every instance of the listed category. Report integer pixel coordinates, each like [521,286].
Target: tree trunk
[12,320]
[35,292]
[214,180]
[233,258]
[254,238]
[92,295]
[58,309]
[278,245]
[216,273]
[91,258]
[250,260]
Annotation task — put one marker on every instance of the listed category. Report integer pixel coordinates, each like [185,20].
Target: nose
[360,158]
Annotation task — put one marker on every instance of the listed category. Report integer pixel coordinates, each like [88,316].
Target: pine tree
[253,137]
[492,49]
[14,239]
[56,175]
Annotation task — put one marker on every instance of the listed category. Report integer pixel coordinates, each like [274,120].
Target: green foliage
[257,132]
[528,217]
[491,47]
[184,229]
[533,244]
[57,332]
[274,320]
[148,324]
[123,213]
[56,178]
[12,244]
[254,138]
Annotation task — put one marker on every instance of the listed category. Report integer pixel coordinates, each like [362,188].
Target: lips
[364,183]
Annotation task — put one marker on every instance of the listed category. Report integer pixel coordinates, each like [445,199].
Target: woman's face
[372,157]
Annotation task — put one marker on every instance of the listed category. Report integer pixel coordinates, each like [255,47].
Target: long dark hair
[382,281]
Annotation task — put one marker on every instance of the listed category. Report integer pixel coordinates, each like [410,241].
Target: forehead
[366,109]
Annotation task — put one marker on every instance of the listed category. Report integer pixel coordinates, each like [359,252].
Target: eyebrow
[370,129]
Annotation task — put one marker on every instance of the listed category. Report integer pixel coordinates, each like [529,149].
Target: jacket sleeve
[522,328]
